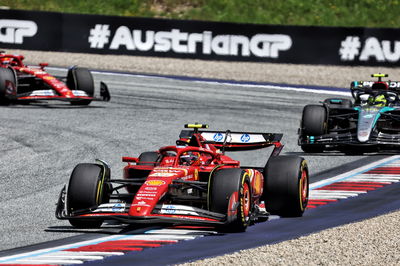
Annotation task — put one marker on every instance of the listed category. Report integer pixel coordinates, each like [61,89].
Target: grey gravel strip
[337,76]
[371,242]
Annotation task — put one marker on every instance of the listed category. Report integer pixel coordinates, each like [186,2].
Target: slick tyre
[86,189]
[79,78]
[313,123]
[314,120]
[8,86]
[230,193]
[286,186]
[148,158]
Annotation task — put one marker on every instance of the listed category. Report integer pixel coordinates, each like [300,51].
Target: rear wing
[377,85]
[392,85]
[236,141]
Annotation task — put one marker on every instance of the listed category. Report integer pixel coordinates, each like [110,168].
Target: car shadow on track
[51,106]
[107,228]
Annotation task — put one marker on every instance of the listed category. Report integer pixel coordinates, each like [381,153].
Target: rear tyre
[230,193]
[286,186]
[313,123]
[86,189]
[8,86]
[79,78]
[148,158]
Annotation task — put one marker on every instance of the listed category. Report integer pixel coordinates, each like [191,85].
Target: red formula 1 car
[21,83]
[193,182]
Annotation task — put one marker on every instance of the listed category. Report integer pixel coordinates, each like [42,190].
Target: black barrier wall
[197,39]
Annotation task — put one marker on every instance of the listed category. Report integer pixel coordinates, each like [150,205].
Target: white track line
[58,255]
[356,173]
[223,82]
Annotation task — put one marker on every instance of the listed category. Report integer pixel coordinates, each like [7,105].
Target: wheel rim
[246,200]
[303,188]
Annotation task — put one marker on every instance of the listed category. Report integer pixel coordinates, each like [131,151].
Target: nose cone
[363,135]
[366,122]
[140,210]
[148,196]
[156,186]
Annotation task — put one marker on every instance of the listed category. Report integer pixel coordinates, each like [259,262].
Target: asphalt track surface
[41,143]
[271,232]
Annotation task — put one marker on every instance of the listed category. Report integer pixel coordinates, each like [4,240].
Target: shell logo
[155,182]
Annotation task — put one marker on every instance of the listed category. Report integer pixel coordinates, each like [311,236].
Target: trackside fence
[51,31]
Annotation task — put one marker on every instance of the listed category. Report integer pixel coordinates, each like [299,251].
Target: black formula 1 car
[369,123]
[21,83]
[192,182]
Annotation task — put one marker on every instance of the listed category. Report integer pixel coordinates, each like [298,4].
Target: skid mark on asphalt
[359,181]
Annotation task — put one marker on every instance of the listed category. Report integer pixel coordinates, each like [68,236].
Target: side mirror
[130,159]
[43,65]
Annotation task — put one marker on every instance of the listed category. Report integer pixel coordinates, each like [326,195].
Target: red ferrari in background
[192,182]
[19,82]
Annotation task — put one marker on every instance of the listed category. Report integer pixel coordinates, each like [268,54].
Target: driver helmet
[379,100]
[189,158]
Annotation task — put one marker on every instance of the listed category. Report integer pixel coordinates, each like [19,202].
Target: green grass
[354,13]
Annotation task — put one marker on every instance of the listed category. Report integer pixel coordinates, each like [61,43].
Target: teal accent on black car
[336,101]
[369,123]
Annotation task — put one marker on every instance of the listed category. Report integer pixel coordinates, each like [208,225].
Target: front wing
[167,214]
[76,95]
[376,139]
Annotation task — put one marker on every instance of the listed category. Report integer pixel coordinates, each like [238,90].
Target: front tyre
[8,89]
[87,189]
[79,78]
[230,193]
[313,123]
[286,186]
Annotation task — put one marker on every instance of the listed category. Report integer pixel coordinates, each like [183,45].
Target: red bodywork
[170,169]
[50,87]
[175,186]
